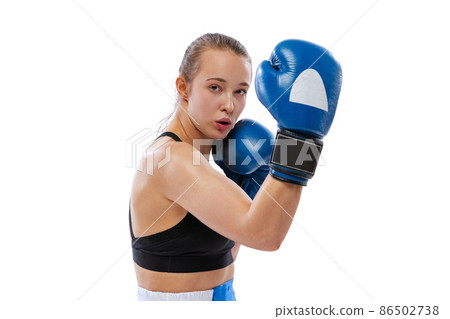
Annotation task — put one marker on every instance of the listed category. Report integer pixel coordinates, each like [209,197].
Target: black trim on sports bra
[170,134]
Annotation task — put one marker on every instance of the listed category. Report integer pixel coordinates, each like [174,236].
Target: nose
[228,104]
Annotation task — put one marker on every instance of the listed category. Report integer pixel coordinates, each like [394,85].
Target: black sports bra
[189,246]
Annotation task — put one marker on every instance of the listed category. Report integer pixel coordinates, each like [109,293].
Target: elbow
[274,245]
[270,248]
[264,238]
[271,244]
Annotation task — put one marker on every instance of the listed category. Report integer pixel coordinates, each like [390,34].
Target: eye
[241,92]
[214,88]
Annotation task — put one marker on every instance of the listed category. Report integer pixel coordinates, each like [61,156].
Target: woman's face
[218,92]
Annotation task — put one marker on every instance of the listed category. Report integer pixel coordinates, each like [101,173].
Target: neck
[183,126]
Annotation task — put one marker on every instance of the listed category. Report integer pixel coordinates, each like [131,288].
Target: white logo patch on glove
[309,89]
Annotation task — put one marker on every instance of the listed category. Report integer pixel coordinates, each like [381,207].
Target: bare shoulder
[167,161]
[161,154]
[179,161]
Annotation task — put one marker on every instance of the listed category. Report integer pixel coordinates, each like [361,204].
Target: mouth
[223,124]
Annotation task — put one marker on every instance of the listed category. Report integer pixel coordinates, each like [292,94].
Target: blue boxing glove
[244,155]
[300,86]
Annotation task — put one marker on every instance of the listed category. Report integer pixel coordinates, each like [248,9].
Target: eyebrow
[224,81]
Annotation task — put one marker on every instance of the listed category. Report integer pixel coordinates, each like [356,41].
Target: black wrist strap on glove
[295,154]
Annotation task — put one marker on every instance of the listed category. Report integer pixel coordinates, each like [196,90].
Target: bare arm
[223,206]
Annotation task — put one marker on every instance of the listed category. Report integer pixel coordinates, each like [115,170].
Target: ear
[182,88]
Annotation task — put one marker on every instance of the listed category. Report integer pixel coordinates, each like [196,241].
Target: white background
[77,79]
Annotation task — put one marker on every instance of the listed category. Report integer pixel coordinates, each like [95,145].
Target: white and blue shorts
[224,292]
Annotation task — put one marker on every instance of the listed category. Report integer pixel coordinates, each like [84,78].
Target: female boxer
[187,220]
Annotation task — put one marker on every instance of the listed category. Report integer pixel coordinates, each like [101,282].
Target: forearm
[272,212]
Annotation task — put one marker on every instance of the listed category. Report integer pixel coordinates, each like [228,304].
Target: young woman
[187,220]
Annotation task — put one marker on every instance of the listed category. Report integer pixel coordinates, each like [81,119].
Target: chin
[216,134]
[220,135]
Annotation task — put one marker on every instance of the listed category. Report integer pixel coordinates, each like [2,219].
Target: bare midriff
[182,282]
